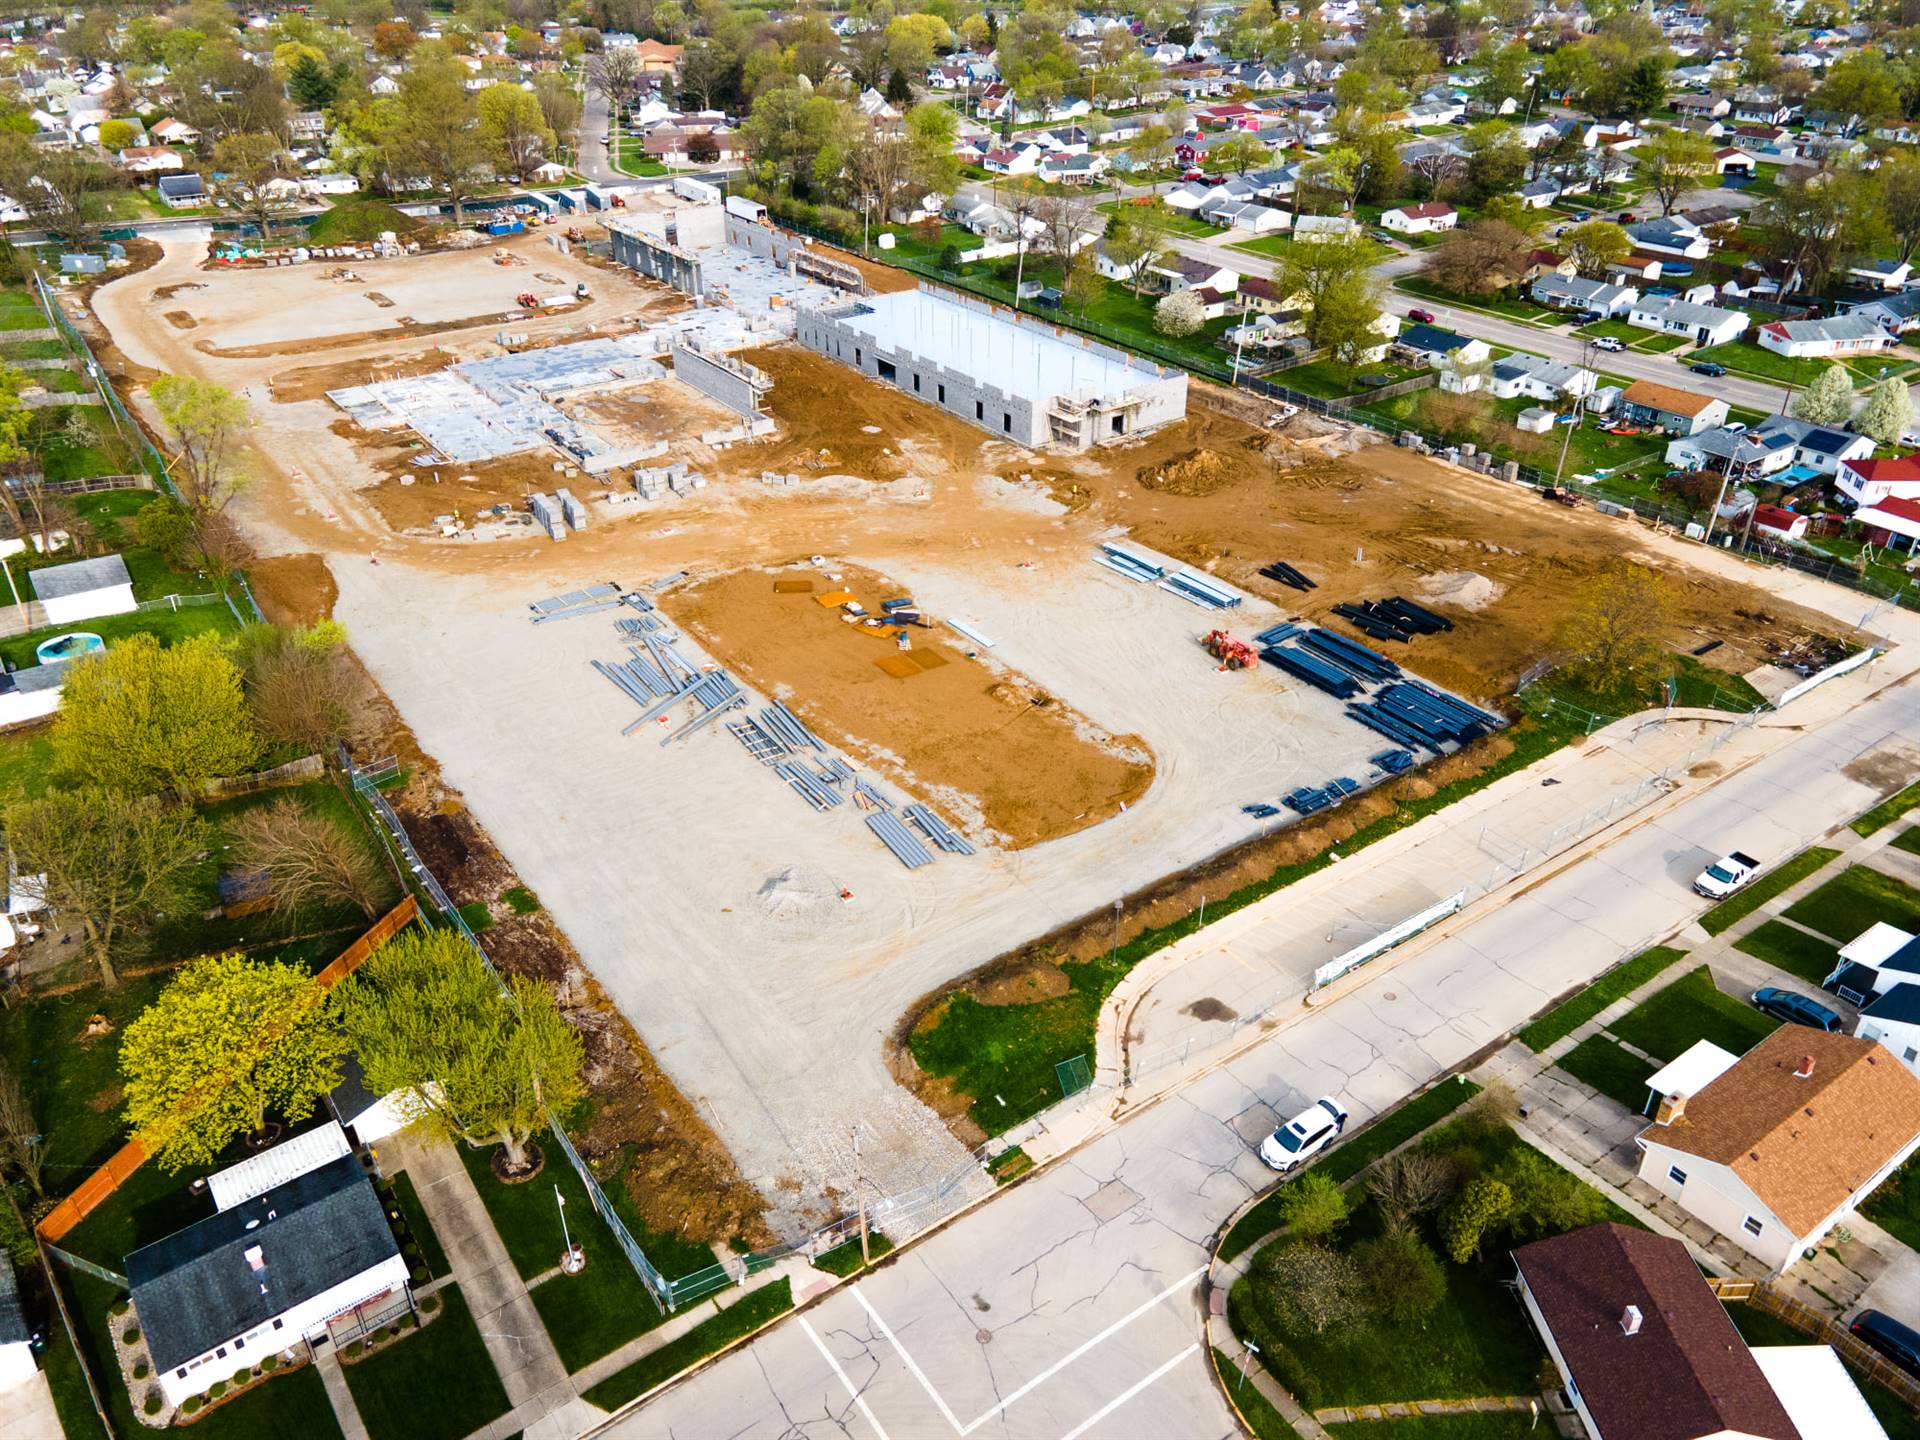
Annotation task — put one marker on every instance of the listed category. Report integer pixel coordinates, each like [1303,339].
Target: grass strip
[707,1338]
[1353,1155]
[1497,1425]
[1569,1015]
[434,1383]
[1804,956]
[1266,1422]
[1895,1206]
[407,1201]
[1888,810]
[1907,840]
[1854,900]
[1737,907]
[844,1259]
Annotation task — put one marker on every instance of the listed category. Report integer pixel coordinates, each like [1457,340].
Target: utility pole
[860,1195]
[1579,409]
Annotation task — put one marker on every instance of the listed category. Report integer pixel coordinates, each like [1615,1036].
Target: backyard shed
[83,589]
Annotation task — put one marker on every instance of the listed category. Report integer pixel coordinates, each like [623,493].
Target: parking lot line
[1127,1394]
[858,1399]
[1044,1375]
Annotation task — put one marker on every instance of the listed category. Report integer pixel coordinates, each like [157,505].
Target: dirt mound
[180,320]
[1198,472]
[1464,589]
[795,894]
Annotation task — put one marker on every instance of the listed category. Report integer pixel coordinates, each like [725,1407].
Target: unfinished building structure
[729,256]
[1015,377]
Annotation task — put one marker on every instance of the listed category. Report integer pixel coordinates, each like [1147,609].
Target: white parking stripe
[1127,1394]
[858,1398]
[1045,1375]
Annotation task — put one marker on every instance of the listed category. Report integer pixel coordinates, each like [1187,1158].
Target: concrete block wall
[762,240]
[714,380]
[653,259]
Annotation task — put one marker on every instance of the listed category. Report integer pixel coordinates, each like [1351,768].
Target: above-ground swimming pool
[68,647]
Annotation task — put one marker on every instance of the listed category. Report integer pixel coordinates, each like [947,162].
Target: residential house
[1705,107]
[83,589]
[173,132]
[308,1259]
[1789,451]
[1851,334]
[672,145]
[1670,236]
[1539,194]
[1703,324]
[150,159]
[658,59]
[1887,274]
[1732,160]
[1014,160]
[1778,523]
[1646,1351]
[1761,105]
[1426,218]
[1818,449]
[1431,345]
[1874,963]
[1533,376]
[307,126]
[1785,1144]
[1678,412]
[1896,314]
[1183,272]
[1316,228]
[1074,169]
[1574,292]
[1866,481]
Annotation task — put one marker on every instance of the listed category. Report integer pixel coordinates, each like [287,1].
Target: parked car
[1609,342]
[1627,217]
[1708,368]
[1899,1343]
[1304,1136]
[1424,317]
[1795,1009]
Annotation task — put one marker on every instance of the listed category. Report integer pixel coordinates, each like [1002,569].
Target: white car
[1304,1136]
[1609,342]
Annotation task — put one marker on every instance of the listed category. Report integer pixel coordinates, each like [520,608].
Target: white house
[366,1116]
[1893,1019]
[1325,227]
[1645,1349]
[1867,481]
[1576,292]
[1703,324]
[1785,1144]
[1538,378]
[1426,218]
[1835,335]
[83,589]
[309,1259]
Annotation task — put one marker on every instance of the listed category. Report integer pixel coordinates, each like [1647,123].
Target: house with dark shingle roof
[1784,1145]
[1645,1350]
[292,1266]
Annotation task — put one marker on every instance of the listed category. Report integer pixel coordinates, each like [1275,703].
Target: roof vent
[1804,1070]
[1630,1321]
[256,1257]
[253,1224]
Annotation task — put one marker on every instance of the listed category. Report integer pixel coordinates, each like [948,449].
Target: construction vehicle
[1231,653]
[527,300]
[580,291]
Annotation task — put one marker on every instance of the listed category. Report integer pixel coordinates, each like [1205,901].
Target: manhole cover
[1390,995]
[983,1336]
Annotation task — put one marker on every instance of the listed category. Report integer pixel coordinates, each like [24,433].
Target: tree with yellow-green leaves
[140,717]
[228,1042]
[1618,624]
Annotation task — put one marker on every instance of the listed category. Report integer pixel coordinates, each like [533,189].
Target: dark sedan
[1797,1009]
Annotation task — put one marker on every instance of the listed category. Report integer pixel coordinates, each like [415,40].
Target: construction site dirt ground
[704,894]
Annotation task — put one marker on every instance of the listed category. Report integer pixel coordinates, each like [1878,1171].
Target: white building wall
[295,1325]
[16,1364]
[1899,1036]
[1715,1195]
[18,708]
[1559,1361]
[108,600]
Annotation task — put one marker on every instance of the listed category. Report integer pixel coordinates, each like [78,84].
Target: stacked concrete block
[675,479]
[574,512]
[548,514]
[774,477]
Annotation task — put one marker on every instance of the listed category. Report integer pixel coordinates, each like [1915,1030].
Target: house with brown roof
[1645,1350]
[1676,411]
[659,59]
[1786,1143]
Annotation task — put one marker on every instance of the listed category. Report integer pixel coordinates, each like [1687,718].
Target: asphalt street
[1071,1307]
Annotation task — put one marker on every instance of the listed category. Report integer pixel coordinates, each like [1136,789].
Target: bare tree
[307,859]
[23,1149]
[1067,218]
[1410,1184]
[612,75]
[305,688]
[1024,206]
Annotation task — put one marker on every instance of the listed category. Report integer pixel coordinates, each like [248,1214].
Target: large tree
[611,75]
[229,1040]
[1618,624]
[1889,412]
[308,860]
[1593,245]
[252,173]
[1495,158]
[110,860]
[427,1018]
[64,192]
[514,128]
[1812,224]
[1828,400]
[1480,258]
[430,133]
[1673,162]
[140,717]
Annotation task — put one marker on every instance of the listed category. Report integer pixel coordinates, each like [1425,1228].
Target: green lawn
[1663,344]
[843,1260]
[1747,358]
[737,1321]
[437,1383]
[1795,951]
[1692,1008]
[424,1253]
[1908,840]
[1161,218]
[170,626]
[1509,1426]
[1277,247]
[1615,1072]
[1332,381]
[603,1307]
[1853,900]
[1494,304]
[1569,1015]
[1888,810]
[1266,1422]
[1759,1327]
[1003,1056]
[1770,883]
[60,1363]
[1895,1206]
[1353,1154]
[1477,1342]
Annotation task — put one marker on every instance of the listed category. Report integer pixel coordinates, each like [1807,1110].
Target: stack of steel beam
[1201,590]
[935,829]
[1312,669]
[1351,656]
[1130,563]
[897,838]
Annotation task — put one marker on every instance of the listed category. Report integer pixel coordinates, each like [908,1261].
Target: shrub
[1314,1206]
[354,1347]
[192,1403]
[151,1405]
[130,1335]
[430,1304]
[1181,313]
[1311,1287]
[141,1369]
[119,1308]
[1482,1204]
[404,1324]
[1405,1282]
[270,1364]
[1410,1184]
[1546,1199]
[216,1389]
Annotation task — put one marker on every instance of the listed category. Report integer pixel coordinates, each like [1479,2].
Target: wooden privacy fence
[92,1192]
[1863,1358]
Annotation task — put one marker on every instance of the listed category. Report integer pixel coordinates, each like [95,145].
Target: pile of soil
[1199,472]
[312,382]
[357,221]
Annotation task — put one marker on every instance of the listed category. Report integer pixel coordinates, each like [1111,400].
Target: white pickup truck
[1726,875]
